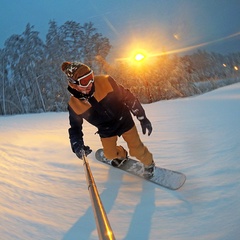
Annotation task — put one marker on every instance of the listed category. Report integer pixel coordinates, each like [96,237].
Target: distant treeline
[31,80]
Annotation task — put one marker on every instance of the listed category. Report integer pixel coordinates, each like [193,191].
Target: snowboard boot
[148,170]
[117,162]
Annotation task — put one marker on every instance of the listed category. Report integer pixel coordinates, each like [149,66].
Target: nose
[84,89]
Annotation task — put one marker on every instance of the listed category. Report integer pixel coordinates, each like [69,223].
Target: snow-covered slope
[44,192]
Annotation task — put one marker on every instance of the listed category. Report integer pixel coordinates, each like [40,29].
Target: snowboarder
[104,103]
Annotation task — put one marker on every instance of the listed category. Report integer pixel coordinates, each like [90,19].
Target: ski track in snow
[44,192]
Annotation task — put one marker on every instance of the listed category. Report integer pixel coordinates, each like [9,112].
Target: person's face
[82,84]
[84,90]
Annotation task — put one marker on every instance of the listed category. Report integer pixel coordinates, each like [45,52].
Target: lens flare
[139,57]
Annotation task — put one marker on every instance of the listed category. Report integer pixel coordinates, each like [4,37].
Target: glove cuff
[141,118]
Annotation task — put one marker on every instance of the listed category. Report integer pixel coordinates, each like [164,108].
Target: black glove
[79,149]
[146,125]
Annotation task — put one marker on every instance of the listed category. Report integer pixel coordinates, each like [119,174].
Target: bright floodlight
[139,57]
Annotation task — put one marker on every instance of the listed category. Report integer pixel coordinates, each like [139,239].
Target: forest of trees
[172,76]
[31,80]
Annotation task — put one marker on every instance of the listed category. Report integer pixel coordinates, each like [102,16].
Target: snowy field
[44,194]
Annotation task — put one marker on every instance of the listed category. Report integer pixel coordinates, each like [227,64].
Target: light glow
[156,53]
[139,57]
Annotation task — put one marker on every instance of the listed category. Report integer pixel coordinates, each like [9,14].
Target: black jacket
[109,109]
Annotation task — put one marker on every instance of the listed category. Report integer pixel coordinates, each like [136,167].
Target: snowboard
[163,177]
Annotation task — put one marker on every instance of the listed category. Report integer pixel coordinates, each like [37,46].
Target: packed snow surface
[44,195]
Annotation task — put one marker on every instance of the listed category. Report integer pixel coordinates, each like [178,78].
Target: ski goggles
[84,81]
